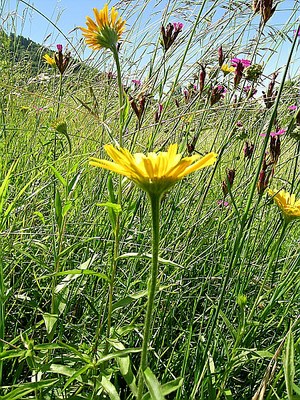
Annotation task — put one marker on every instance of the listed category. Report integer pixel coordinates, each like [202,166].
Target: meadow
[171,269]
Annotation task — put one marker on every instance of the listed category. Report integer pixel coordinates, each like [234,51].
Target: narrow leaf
[288,364]
[153,385]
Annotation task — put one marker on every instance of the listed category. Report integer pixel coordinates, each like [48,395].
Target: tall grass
[226,311]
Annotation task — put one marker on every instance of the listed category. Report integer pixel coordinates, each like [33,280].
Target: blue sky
[68,14]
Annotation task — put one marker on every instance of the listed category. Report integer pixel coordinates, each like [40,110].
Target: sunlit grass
[225,319]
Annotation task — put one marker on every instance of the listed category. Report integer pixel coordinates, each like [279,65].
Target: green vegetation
[75,251]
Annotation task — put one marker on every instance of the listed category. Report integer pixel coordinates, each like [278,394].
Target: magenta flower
[293,108]
[222,203]
[235,61]
[59,48]
[137,82]
[239,124]
[222,89]
[178,26]
[170,33]
[248,89]
[277,133]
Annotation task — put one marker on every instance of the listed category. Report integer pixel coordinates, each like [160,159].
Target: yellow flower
[105,31]
[154,173]
[287,203]
[49,60]
[226,69]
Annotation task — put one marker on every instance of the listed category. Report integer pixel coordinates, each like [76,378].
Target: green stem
[57,115]
[121,96]
[112,280]
[155,208]
[117,227]
[275,252]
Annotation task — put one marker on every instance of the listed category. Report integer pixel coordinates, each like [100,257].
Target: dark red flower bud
[221,57]
[227,184]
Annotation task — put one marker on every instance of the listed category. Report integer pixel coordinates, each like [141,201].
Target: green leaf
[62,128]
[25,388]
[4,186]
[153,385]
[77,375]
[61,179]
[66,207]
[58,208]
[50,322]
[125,366]
[40,216]
[135,296]
[288,365]
[228,394]
[82,356]
[167,388]
[296,389]
[129,299]
[120,353]
[148,256]
[110,188]
[6,355]
[73,183]
[116,207]
[71,275]
[76,272]
[113,210]
[109,388]
[63,370]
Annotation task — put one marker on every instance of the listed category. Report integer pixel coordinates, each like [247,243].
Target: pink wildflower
[249,90]
[222,203]
[137,82]
[235,61]
[272,134]
[277,133]
[59,47]
[293,108]
[178,26]
[170,33]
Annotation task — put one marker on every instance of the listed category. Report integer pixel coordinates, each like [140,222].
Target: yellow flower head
[287,203]
[49,60]
[226,69]
[105,31]
[154,173]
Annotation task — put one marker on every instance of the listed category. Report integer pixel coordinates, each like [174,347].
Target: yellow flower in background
[156,172]
[289,206]
[49,60]
[105,31]
[226,69]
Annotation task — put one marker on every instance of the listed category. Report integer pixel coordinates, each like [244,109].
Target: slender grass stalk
[155,213]
[274,254]
[121,95]
[116,246]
